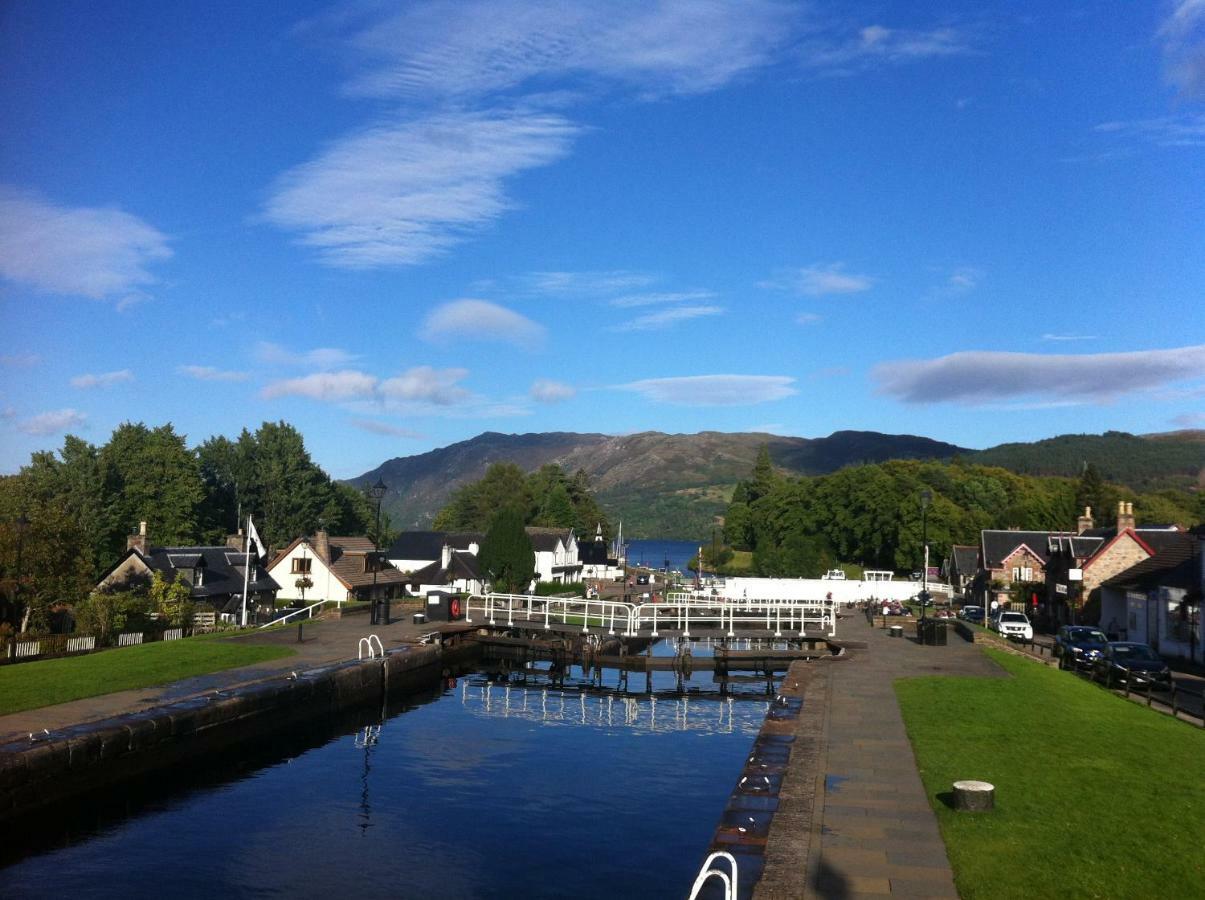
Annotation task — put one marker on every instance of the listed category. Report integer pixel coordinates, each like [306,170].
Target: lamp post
[376,492]
[926,497]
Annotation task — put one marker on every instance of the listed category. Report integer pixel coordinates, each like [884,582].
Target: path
[325,642]
[875,832]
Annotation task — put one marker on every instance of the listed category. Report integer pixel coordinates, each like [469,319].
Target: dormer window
[198,576]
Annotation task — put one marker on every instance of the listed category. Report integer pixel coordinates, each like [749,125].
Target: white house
[338,568]
[556,554]
[412,551]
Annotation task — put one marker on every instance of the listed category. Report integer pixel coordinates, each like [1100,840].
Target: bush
[551,588]
[105,614]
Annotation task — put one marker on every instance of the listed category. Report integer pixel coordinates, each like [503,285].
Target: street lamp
[376,492]
[926,497]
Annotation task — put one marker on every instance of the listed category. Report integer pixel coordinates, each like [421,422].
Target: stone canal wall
[48,769]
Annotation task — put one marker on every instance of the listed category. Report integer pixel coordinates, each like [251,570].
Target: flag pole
[247,572]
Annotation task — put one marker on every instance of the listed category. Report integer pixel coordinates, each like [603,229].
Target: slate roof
[223,571]
[1175,565]
[462,565]
[430,544]
[1079,546]
[594,553]
[998,545]
[545,539]
[966,559]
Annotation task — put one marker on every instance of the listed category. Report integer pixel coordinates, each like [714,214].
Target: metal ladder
[709,871]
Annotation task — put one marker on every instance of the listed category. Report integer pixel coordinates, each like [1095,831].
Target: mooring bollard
[896,631]
[299,626]
[974,796]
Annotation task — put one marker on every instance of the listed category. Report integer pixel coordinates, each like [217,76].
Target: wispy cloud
[586,284]
[97,252]
[1069,337]
[1187,130]
[654,298]
[54,422]
[320,358]
[325,386]
[546,391]
[713,390]
[403,192]
[963,280]
[19,360]
[1183,36]
[667,317]
[808,318]
[974,377]
[819,280]
[425,384]
[469,50]
[209,373]
[383,428]
[103,380]
[480,320]
[876,45]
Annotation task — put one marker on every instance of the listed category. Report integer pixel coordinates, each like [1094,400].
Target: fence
[54,645]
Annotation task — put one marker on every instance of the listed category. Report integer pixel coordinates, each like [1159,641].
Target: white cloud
[664,297]
[1068,337]
[326,386]
[807,318]
[875,45]
[963,280]
[713,390]
[1187,130]
[480,320]
[819,280]
[474,49]
[20,360]
[383,428]
[400,193]
[209,373]
[666,317]
[104,380]
[96,252]
[1183,36]
[53,422]
[546,391]
[974,377]
[424,384]
[587,284]
[320,358]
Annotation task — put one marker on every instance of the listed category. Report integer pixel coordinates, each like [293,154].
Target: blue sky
[399,226]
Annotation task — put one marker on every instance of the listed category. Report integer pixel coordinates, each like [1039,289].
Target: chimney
[1125,516]
[1085,522]
[138,541]
[235,541]
[322,545]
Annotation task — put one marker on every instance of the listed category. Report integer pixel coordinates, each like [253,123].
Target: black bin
[444,607]
[933,633]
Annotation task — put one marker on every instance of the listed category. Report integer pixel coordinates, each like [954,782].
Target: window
[198,576]
[301,565]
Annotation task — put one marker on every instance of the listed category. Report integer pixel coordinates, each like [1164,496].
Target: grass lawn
[1095,796]
[36,684]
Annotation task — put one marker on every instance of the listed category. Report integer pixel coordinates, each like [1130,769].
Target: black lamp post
[376,492]
[926,497]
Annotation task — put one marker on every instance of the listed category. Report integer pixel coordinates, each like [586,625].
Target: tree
[506,552]
[1090,492]
[171,599]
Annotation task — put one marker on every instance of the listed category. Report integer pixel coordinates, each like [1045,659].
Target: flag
[254,544]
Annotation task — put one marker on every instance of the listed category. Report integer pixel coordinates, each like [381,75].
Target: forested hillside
[871,515]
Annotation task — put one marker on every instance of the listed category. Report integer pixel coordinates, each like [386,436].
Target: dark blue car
[1135,664]
[1077,646]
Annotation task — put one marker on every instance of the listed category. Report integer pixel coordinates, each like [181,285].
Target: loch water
[482,788]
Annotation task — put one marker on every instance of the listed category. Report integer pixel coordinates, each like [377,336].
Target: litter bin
[420,618]
[933,633]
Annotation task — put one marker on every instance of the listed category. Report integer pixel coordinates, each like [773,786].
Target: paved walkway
[324,642]
[877,834]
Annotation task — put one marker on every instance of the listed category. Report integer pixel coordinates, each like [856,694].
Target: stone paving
[324,642]
[874,831]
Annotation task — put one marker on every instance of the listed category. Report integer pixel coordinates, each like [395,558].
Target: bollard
[299,626]
[974,796]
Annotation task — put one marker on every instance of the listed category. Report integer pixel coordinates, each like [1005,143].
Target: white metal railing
[526,609]
[129,639]
[308,611]
[367,645]
[680,609]
[81,643]
[709,871]
[26,649]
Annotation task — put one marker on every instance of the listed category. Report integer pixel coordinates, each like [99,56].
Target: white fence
[677,613]
[129,639]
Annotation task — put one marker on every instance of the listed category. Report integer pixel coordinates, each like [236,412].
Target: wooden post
[974,796]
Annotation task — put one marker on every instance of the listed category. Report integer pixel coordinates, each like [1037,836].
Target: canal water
[483,789]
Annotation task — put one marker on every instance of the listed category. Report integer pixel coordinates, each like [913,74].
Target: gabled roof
[347,562]
[1128,533]
[965,558]
[546,539]
[223,570]
[1078,546]
[998,545]
[417,545]
[1176,565]
[462,565]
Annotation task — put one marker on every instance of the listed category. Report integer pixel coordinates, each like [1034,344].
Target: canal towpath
[324,642]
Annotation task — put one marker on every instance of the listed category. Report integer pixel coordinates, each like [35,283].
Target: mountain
[659,485]
[1174,459]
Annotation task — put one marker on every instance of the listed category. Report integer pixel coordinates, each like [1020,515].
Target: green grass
[1095,796]
[37,684]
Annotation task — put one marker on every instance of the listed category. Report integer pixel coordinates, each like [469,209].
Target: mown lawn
[36,684]
[1095,796]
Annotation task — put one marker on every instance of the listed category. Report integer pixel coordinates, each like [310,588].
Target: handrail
[366,643]
[305,609]
[709,871]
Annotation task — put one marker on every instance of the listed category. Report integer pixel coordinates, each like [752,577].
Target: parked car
[642,579]
[1077,645]
[1013,625]
[1131,662]
[971,613]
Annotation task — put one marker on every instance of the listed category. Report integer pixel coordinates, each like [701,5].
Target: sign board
[1075,574]
[1060,588]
